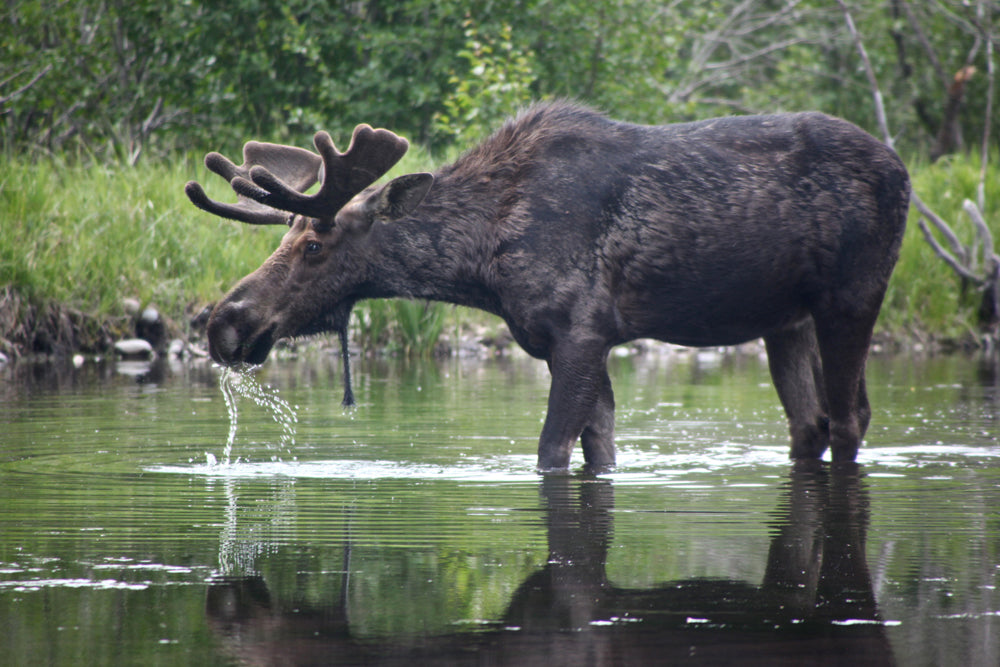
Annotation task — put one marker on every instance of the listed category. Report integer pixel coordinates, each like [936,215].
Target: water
[243,383]
[139,524]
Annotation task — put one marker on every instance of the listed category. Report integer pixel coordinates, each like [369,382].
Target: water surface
[137,526]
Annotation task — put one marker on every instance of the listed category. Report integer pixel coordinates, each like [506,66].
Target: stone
[134,348]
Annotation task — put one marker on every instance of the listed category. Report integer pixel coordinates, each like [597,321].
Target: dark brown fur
[583,233]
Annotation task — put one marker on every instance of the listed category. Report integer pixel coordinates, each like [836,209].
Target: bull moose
[584,233]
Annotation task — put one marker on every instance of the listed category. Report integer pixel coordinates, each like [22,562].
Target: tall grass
[409,327]
[85,236]
[925,297]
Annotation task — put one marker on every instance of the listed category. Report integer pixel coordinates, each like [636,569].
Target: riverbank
[55,333]
[86,249]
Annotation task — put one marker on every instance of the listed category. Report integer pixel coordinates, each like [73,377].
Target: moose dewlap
[583,233]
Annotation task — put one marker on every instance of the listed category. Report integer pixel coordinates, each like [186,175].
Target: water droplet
[242,382]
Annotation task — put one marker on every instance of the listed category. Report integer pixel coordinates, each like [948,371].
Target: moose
[582,233]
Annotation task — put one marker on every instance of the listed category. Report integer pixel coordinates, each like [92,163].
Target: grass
[87,236]
[83,237]
[925,297]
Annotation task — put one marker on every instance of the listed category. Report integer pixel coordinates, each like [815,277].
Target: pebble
[134,347]
[176,349]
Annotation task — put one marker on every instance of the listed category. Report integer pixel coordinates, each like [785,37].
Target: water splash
[242,383]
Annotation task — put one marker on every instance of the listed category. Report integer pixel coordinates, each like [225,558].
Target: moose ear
[400,196]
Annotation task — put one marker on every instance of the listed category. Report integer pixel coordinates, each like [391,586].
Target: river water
[140,525]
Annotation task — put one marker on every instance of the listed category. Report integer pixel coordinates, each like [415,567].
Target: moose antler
[273,178]
[297,165]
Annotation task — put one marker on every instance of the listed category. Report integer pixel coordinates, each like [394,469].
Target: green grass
[925,297]
[86,236]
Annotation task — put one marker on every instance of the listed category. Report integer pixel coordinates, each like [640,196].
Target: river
[140,524]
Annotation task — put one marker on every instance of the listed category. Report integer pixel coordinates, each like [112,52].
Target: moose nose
[223,335]
[223,345]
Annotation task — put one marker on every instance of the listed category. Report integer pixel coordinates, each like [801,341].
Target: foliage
[86,237]
[924,294]
[498,79]
[111,78]
[88,88]
[83,238]
[410,327]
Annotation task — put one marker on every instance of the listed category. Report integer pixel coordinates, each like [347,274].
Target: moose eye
[313,247]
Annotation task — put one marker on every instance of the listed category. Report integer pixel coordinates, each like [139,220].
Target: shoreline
[49,334]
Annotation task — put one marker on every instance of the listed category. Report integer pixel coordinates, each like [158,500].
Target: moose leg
[864,407]
[581,404]
[598,437]
[843,347]
[794,361]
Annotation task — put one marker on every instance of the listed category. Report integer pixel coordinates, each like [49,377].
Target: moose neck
[442,251]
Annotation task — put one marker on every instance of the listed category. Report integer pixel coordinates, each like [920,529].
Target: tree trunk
[949,138]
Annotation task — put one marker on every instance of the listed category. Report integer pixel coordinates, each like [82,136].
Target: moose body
[583,233]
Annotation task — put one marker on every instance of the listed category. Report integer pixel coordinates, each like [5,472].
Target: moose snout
[235,335]
[223,343]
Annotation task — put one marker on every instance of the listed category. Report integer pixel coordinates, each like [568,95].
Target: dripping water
[237,383]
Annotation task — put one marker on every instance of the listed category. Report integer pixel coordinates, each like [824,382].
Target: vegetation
[134,80]
[88,236]
[926,300]
[84,237]
[106,108]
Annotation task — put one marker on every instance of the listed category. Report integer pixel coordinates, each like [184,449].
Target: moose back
[583,233]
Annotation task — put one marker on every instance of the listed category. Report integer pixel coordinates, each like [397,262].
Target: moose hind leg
[843,346]
[864,407]
[794,362]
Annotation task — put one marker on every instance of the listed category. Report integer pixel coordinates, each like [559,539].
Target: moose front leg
[581,406]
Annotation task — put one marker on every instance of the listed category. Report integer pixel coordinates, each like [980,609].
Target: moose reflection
[815,603]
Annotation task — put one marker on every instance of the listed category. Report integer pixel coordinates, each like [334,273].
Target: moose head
[299,290]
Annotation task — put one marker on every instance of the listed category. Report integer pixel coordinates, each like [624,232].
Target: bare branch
[982,230]
[883,124]
[7,98]
[738,43]
[763,51]
[956,246]
[955,19]
[925,43]
[948,258]
[964,264]
[983,14]
[768,20]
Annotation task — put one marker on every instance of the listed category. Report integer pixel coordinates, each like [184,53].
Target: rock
[176,349]
[134,348]
[131,305]
[150,327]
